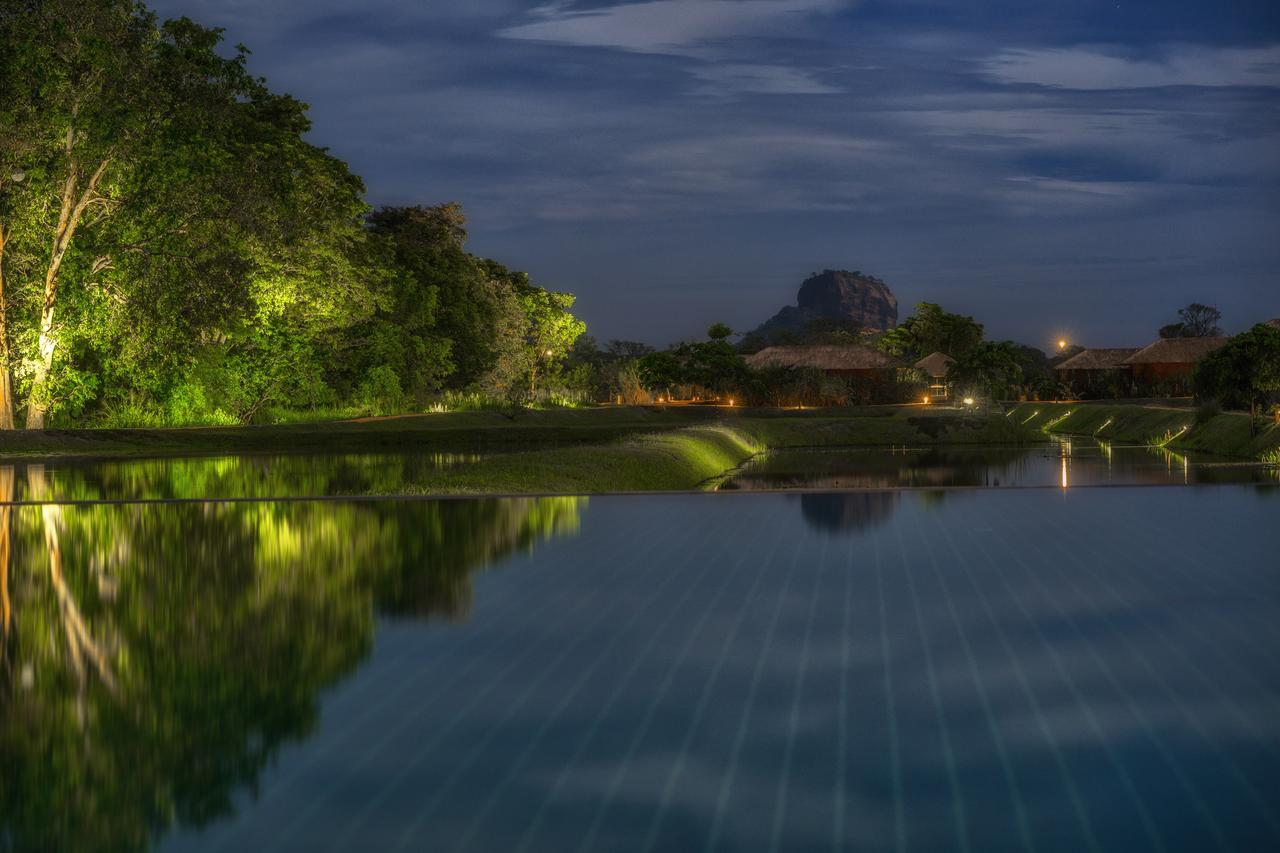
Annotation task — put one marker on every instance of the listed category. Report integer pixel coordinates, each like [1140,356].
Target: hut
[842,361]
[936,366]
[850,373]
[1168,363]
[1098,372]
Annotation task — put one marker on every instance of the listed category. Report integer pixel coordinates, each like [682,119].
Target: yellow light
[547,353]
[1062,344]
[662,399]
[926,401]
[730,401]
[968,401]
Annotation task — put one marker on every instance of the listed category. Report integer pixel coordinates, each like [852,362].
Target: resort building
[1168,363]
[936,366]
[1098,372]
[842,361]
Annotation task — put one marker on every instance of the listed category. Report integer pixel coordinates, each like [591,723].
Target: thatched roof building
[937,364]
[1275,322]
[1175,351]
[1104,358]
[1168,363]
[839,360]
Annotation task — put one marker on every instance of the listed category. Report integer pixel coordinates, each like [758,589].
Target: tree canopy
[1194,321]
[172,249]
[931,329]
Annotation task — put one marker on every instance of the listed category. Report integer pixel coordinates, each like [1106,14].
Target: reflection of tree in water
[848,511]
[155,658]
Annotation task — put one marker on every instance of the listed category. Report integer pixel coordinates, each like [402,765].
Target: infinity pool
[968,670]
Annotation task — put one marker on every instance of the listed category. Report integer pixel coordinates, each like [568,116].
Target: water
[1064,463]
[984,670]
[235,476]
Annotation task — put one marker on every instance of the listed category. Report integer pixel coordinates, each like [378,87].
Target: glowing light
[547,353]
[730,401]
[926,401]
[662,399]
[1064,472]
[968,401]
[1062,343]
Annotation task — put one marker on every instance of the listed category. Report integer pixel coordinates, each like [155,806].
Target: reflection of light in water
[1064,472]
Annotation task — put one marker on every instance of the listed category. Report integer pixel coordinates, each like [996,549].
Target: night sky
[1053,167]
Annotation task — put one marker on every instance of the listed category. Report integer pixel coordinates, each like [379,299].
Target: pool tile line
[958,810]
[797,690]
[443,788]
[588,842]
[728,778]
[548,722]
[979,684]
[891,710]
[618,691]
[387,735]
[1051,738]
[1229,764]
[510,601]
[709,683]
[1184,780]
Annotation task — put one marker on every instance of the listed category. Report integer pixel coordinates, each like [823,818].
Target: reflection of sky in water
[975,670]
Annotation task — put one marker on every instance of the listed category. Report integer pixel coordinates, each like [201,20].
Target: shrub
[380,392]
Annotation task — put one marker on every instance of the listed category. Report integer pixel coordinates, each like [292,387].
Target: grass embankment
[1224,434]
[567,451]
[691,456]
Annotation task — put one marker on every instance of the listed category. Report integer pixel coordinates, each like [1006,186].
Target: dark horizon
[1078,170]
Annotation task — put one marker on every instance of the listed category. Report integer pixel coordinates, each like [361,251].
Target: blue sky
[1053,167]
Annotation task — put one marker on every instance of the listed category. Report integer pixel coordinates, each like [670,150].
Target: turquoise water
[979,670]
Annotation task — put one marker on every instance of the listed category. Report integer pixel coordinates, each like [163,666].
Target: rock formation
[835,298]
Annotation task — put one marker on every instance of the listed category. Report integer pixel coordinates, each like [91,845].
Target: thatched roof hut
[1175,351]
[1168,363]
[1105,358]
[833,359]
[937,364]
[1275,322]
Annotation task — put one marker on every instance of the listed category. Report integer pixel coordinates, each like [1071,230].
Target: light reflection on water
[239,476]
[983,670]
[1065,463]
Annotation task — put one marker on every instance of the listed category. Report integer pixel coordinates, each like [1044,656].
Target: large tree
[1194,321]
[1243,373]
[931,329]
[170,202]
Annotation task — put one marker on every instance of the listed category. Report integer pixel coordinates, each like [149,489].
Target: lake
[962,669]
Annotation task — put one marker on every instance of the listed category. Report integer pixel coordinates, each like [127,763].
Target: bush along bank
[1205,431]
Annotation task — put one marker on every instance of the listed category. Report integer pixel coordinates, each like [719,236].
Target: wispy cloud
[663,26]
[725,79]
[1104,68]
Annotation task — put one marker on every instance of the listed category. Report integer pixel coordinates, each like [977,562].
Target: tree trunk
[6,383]
[72,210]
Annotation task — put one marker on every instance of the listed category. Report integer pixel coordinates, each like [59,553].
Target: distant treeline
[173,250]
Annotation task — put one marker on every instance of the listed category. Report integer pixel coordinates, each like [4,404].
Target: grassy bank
[1224,434]
[568,451]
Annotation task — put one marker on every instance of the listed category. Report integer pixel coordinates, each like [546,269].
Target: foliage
[988,369]
[931,329]
[1195,321]
[207,262]
[1245,373]
[169,656]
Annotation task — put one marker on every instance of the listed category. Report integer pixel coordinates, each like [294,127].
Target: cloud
[1100,68]
[733,78]
[663,26]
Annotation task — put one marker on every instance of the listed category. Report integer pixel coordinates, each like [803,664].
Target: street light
[1062,343]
